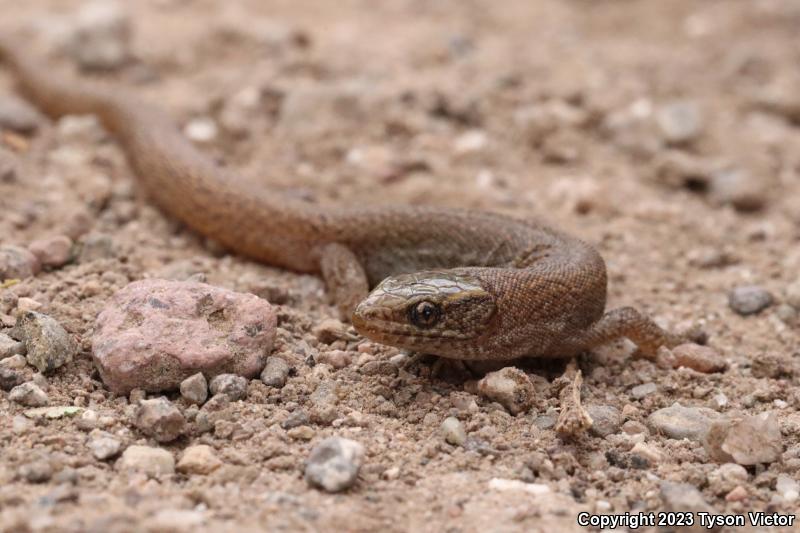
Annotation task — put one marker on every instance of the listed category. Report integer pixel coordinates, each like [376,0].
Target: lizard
[458,283]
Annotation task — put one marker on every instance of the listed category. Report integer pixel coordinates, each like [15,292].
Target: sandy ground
[546,109]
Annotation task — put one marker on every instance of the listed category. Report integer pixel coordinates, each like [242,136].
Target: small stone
[28,394]
[787,487]
[160,419]
[330,330]
[335,358]
[334,464]
[275,372]
[103,445]
[147,460]
[633,427]
[199,459]
[606,420]
[10,378]
[453,431]
[747,441]
[17,263]
[38,471]
[136,396]
[683,498]
[793,295]
[737,494]
[27,304]
[510,387]
[195,388]
[88,420]
[301,433]
[17,362]
[645,451]
[296,418]
[788,315]
[201,130]
[680,122]
[53,251]
[749,299]
[699,358]
[48,344]
[53,413]
[727,477]
[679,422]
[96,246]
[155,333]
[231,384]
[737,188]
[9,346]
[503,485]
[643,390]
[18,115]
[101,36]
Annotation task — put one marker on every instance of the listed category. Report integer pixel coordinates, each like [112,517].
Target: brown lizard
[457,283]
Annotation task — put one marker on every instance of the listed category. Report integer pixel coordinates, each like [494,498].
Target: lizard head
[436,312]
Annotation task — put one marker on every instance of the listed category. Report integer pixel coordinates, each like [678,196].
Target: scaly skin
[455,283]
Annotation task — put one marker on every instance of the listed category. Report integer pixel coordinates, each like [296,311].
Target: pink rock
[17,263]
[155,333]
[52,251]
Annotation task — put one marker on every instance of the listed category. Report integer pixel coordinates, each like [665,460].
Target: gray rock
[726,478]
[101,36]
[680,122]
[155,333]
[275,372]
[18,115]
[749,299]
[147,460]
[28,394]
[679,422]
[96,246]
[10,377]
[738,188]
[37,471]
[160,419]
[195,388]
[510,387]
[643,390]
[453,431]
[231,384]
[48,344]
[334,464]
[104,445]
[606,420]
[684,498]
[17,263]
[295,419]
[9,346]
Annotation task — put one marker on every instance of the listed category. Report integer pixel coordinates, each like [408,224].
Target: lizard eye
[424,314]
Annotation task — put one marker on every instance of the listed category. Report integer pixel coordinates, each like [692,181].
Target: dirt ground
[562,110]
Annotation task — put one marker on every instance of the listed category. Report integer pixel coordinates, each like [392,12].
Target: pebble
[47,343]
[726,478]
[103,445]
[53,413]
[699,358]
[605,420]
[18,115]
[296,418]
[749,299]
[738,188]
[503,485]
[643,390]
[10,378]
[788,315]
[275,372]
[231,384]
[330,330]
[301,433]
[147,460]
[679,422]
[17,263]
[201,130]
[96,246]
[324,400]
[787,487]
[510,387]
[199,459]
[9,346]
[8,166]
[737,494]
[155,333]
[747,441]
[680,122]
[101,36]
[793,295]
[194,389]
[160,419]
[38,471]
[17,362]
[648,452]
[453,431]
[53,251]
[334,464]
[336,358]
[88,420]
[683,498]
[28,394]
